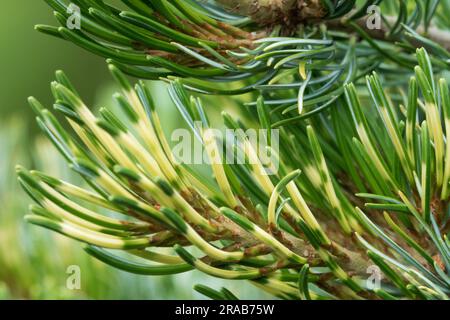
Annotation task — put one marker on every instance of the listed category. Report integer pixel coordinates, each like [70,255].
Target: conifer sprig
[373,190]
[299,68]
[364,168]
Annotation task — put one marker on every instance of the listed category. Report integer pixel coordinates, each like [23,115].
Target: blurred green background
[34,262]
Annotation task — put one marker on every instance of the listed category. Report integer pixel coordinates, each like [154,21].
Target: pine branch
[321,227]
[361,185]
[213,51]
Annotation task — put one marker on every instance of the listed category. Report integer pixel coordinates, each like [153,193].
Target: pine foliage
[364,163]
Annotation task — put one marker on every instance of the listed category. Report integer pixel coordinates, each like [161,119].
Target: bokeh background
[33,261]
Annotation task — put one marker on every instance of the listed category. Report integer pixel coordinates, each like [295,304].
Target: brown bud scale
[270,12]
